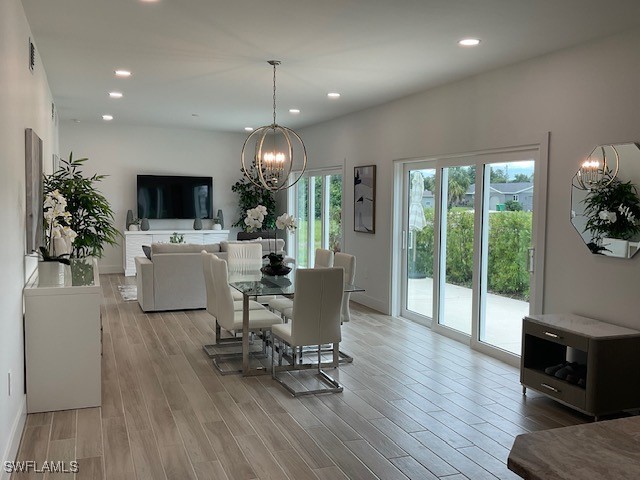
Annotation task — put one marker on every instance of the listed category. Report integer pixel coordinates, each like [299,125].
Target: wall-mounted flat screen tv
[163,196]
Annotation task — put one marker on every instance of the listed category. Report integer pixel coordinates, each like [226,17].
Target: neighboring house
[428,200]
[501,193]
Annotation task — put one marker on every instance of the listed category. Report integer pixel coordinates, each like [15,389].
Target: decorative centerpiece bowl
[275,267]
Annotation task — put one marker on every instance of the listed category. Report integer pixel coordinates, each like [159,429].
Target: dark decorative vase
[144,224]
[275,266]
[197,224]
[129,218]
[220,218]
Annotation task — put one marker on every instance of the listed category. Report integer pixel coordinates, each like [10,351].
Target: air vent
[32,55]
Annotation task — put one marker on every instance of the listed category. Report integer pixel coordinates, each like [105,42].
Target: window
[316,201]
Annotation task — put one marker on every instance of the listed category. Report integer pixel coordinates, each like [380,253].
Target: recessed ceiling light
[333,95]
[295,111]
[107,117]
[75,120]
[122,73]
[248,129]
[115,94]
[469,42]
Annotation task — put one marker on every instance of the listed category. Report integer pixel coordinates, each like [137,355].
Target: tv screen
[161,196]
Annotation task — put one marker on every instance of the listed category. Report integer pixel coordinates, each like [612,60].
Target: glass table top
[253,282]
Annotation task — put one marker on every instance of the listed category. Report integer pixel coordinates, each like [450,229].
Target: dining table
[252,283]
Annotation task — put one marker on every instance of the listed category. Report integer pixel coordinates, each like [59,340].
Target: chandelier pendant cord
[274,93]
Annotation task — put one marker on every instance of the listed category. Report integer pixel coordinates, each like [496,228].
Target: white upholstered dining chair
[227,312]
[323,258]
[315,321]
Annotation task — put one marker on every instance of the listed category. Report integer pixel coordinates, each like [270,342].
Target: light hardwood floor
[415,405]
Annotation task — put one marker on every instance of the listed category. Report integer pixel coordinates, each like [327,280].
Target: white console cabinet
[136,239]
[63,338]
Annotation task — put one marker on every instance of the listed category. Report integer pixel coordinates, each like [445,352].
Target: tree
[513,206]
[458,185]
[521,178]
[498,176]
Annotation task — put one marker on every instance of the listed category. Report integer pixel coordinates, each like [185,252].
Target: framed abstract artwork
[364,199]
[33,177]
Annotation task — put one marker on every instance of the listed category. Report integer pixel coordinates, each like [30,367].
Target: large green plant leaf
[91,214]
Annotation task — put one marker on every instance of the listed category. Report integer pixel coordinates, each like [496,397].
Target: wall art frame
[364,199]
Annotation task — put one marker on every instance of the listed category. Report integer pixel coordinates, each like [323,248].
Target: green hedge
[509,241]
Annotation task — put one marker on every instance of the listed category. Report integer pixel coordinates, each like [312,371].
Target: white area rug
[129,293]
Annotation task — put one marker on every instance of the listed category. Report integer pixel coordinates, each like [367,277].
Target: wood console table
[611,376]
[595,451]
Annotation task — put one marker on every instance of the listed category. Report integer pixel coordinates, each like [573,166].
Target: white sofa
[172,278]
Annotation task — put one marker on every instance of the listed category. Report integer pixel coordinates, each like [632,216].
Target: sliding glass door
[457,244]
[419,213]
[316,201]
[467,246]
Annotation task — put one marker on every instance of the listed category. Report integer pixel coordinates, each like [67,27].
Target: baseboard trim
[11,451]
[370,302]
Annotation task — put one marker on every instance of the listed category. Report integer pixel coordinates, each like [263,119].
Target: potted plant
[58,236]
[176,238]
[90,215]
[613,213]
[254,220]
[134,224]
[250,196]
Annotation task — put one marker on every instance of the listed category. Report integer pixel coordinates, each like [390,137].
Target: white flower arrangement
[58,237]
[255,217]
[607,216]
[286,222]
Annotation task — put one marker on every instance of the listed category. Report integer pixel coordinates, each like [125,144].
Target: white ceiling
[208,57]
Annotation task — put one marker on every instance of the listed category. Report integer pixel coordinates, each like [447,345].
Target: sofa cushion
[157,248]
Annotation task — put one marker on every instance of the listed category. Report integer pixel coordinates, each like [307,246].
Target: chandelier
[596,172]
[272,151]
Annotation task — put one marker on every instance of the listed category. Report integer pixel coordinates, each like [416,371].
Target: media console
[136,239]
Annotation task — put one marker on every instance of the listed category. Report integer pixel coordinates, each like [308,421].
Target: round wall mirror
[608,217]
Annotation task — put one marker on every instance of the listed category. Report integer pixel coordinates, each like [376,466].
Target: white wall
[25,102]
[123,151]
[584,96]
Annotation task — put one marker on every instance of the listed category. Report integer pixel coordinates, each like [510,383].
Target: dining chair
[248,256]
[245,255]
[323,258]
[227,312]
[315,321]
[348,263]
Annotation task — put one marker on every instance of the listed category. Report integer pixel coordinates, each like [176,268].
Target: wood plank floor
[416,405]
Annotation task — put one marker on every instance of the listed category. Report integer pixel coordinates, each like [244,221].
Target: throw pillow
[147,251]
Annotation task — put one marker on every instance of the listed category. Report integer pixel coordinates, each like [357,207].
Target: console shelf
[611,354]
[134,240]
